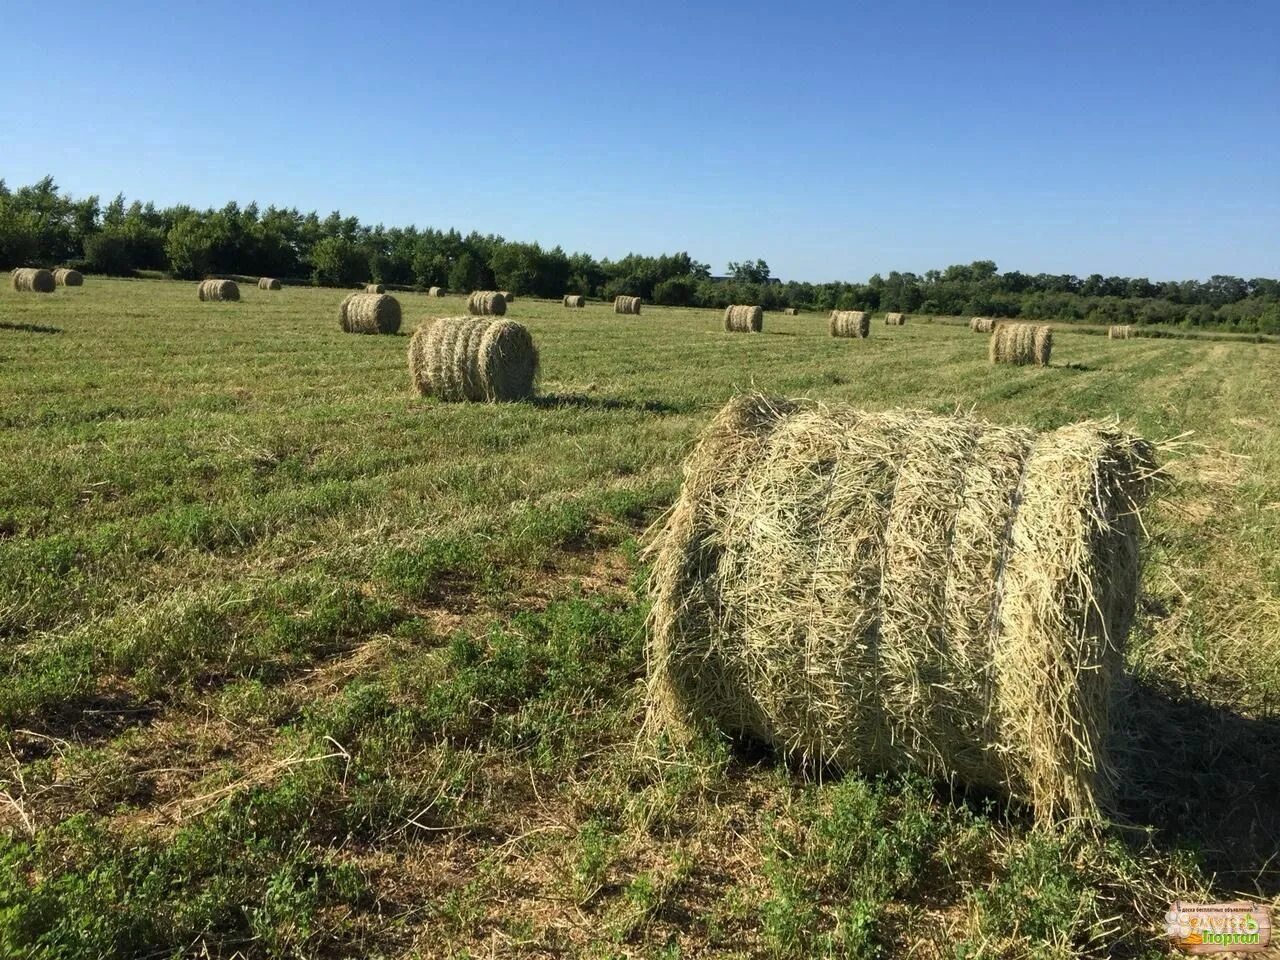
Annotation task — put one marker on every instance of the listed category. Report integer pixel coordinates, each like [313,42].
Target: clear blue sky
[834,140]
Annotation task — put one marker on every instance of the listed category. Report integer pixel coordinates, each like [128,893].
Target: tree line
[41,225]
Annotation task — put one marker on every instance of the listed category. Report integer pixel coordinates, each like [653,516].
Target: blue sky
[834,140]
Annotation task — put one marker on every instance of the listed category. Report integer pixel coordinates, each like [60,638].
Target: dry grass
[473,358]
[369,313]
[849,323]
[903,591]
[624,304]
[32,280]
[216,290]
[743,319]
[1021,344]
[486,303]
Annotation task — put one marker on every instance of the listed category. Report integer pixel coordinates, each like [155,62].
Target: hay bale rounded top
[903,591]
[66,277]
[849,323]
[486,303]
[1021,343]
[374,288]
[574,300]
[33,280]
[213,290]
[268,283]
[369,313]
[743,319]
[473,358]
[624,304]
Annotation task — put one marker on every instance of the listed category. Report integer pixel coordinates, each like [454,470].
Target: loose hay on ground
[369,313]
[486,303]
[903,591]
[473,358]
[743,319]
[849,323]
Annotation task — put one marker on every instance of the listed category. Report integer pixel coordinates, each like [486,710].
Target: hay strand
[32,280]
[849,323]
[216,290]
[1021,344]
[743,319]
[369,313]
[630,305]
[473,358]
[486,303]
[903,591]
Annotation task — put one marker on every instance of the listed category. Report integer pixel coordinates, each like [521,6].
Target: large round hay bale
[574,300]
[369,313]
[743,319]
[473,358]
[895,319]
[374,288]
[268,283]
[435,292]
[66,277]
[1021,343]
[1120,332]
[486,303]
[849,323]
[903,591]
[791,312]
[213,290]
[32,280]
[981,324]
[624,304]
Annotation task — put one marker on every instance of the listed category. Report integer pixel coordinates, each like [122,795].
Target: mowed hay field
[299,663]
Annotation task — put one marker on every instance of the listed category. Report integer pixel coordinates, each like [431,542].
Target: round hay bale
[66,277]
[1021,344]
[369,313]
[215,290]
[895,319]
[486,303]
[574,300]
[473,358]
[623,304]
[791,312]
[507,295]
[903,591]
[849,323]
[743,319]
[982,324]
[268,283]
[1120,332]
[374,288]
[435,292]
[32,280]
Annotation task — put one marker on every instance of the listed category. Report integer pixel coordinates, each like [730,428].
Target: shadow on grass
[1075,366]
[28,327]
[557,401]
[1207,778]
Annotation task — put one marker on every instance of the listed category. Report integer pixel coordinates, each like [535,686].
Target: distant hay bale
[1021,343]
[486,303]
[507,295]
[626,305]
[473,358]
[791,312]
[66,277]
[902,591]
[1120,332]
[32,280]
[895,319]
[369,313]
[743,319]
[213,290]
[849,323]
[574,300]
[268,283]
[982,324]
[374,288]
[435,292]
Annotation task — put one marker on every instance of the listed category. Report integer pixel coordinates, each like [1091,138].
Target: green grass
[300,664]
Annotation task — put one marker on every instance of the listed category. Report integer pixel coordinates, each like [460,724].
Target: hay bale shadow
[28,327]
[1084,367]
[556,401]
[1206,777]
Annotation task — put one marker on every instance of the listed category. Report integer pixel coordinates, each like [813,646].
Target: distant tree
[749,272]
